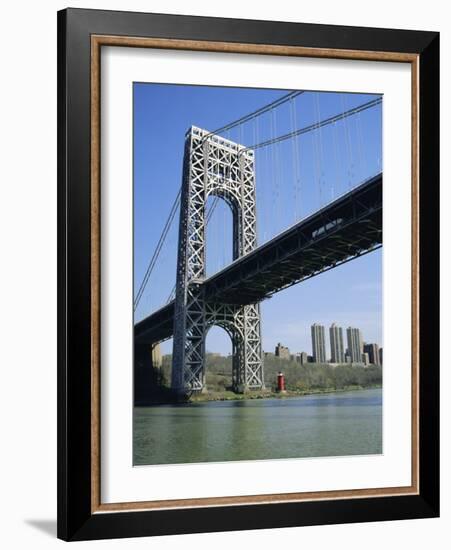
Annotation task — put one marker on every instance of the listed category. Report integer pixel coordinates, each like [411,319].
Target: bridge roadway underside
[341,231]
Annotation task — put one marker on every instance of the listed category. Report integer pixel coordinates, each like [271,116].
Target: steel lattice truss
[214,166]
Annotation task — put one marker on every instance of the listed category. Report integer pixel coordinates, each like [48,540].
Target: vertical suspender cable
[293,162]
[277,170]
[266,194]
[335,190]
[315,154]
[297,173]
[348,142]
[323,162]
[321,167]
[362,147]
[225,238]
[273,171]
[256,181]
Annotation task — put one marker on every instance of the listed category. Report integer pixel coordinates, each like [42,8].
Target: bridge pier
[242,324]
[214,166]
[148,382]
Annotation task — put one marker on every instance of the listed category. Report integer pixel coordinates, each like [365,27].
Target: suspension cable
[258,112]
[227,128]
[361,144]
[316,125]
[316,164]
[295,156]
[320,151]
[337,165]
[157,250]
[273,140]
[348,142]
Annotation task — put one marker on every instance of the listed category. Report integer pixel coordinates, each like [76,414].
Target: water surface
[336,424]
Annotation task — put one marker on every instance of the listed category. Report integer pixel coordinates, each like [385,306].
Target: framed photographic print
[248,274]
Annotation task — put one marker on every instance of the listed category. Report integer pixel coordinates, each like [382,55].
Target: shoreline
[251,395]
[230,396]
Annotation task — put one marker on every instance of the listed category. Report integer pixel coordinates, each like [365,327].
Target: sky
[293,179]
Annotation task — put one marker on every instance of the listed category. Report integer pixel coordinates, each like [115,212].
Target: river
[335,424]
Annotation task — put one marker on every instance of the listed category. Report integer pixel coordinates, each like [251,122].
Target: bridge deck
[345,229]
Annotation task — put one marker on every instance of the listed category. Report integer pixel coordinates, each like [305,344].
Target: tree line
[299,378]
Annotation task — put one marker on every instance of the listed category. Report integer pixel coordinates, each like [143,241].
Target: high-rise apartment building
[337,354]
[156,356]
[355,347]
[373,353]
[318,344]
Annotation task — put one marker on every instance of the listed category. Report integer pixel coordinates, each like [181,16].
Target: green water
[336,424]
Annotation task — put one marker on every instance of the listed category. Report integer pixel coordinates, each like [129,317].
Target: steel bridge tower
[214,166]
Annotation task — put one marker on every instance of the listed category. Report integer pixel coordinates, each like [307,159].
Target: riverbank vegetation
[310,378]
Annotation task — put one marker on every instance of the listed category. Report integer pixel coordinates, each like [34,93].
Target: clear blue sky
[292,180]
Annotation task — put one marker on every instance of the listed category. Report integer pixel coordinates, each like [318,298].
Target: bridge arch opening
[221,219]
[219,358]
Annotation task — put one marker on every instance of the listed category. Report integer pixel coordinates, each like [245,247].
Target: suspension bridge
[342,186]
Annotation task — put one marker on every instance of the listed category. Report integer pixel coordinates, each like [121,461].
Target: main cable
[157,250]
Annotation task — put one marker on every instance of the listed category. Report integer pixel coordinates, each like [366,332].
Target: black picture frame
[76,521]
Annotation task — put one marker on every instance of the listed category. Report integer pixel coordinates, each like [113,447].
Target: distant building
[373,353]
[336,344]
[303,358]
[381,362]
[269,354]
[365,359]
[318,344]
[355,347]
[156,356]
[282,351]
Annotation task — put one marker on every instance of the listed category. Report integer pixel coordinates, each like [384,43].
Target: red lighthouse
[281,382]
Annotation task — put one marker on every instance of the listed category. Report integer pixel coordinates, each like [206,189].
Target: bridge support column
[144,373]
[242,323]
[214,166]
